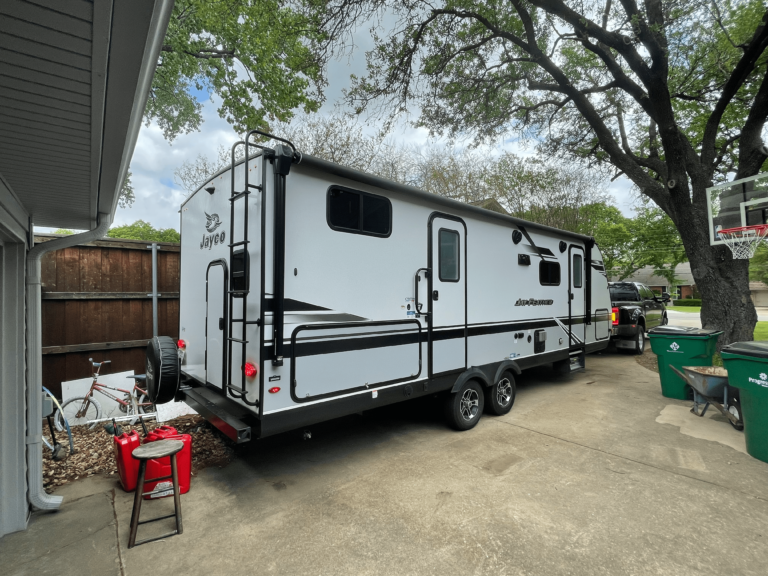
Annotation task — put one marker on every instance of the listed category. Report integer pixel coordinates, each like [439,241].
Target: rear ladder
[240,278]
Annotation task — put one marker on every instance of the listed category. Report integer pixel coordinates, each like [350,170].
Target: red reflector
[615,316]
[250,370]
[181,344]
[274,390]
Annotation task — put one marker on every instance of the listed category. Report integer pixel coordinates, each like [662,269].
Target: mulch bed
[648,359]
[94,453]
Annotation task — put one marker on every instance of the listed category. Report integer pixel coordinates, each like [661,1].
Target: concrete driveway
[592,473]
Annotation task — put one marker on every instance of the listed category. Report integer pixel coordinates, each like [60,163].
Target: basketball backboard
[735,204]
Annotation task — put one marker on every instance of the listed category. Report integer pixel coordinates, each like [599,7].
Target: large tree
[263,59]
[672,94]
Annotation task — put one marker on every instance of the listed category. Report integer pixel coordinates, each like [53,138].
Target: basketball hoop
[744,241]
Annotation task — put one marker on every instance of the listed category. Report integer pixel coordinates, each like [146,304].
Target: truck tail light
[181,344]
[250,370]
[615,316]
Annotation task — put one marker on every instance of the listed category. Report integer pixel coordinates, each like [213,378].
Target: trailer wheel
[464,408]
[162,369]
[500,397]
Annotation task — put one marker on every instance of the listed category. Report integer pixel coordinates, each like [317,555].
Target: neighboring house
[490,204]
[685,286]
[73,89]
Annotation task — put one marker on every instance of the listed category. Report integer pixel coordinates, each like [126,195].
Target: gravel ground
[94,453]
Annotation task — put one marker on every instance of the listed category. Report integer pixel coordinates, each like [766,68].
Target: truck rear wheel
[464,408]
[640,340]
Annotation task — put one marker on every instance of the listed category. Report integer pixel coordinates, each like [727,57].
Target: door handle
[434,295]
[221,323]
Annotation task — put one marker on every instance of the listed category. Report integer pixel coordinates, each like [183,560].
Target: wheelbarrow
[710,386]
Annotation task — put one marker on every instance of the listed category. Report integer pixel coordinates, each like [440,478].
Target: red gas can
[162,466]
[127,467]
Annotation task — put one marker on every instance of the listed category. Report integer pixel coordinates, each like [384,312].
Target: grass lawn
[696,309]
[761,331]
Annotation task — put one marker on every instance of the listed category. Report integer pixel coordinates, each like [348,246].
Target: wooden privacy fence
[96,303]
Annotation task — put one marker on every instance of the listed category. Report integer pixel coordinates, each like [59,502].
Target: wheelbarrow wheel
[734,408]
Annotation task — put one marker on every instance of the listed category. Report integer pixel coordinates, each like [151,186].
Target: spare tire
[162,369]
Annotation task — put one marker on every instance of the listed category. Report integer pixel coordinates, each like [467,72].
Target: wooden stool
[152,451]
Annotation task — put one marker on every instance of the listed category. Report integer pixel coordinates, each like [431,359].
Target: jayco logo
[212,222]
[675,346]
[532,302]
[763,381]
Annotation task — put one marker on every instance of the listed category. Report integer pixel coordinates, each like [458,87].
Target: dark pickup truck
[635,310]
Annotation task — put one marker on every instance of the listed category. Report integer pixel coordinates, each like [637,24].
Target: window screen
[449,255]
[549,273]
[359,212]
[577,270]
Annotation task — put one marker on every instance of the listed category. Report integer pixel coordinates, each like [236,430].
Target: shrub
[688,302]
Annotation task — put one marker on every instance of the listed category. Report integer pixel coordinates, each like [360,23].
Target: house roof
[74,81]
[489,204]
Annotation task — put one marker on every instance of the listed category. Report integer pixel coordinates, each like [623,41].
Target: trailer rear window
[549,273]
[359,212]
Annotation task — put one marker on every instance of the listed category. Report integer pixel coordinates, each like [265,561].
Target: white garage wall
[13,471]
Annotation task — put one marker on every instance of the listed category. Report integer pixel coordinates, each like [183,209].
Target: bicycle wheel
[70,410]
[144,403]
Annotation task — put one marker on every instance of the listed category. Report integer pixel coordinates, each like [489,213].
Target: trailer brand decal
[763,381]
[533,302]
[212,221]
[210,239]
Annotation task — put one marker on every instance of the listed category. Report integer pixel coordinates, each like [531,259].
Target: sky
[158,197]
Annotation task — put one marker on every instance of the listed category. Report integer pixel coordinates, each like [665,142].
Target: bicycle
[81,409]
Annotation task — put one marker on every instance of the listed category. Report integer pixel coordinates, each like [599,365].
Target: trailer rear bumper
[219,411]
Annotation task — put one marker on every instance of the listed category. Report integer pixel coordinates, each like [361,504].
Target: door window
[448,255]
[577,262]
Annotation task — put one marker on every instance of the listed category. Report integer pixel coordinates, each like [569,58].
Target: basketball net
[744,241]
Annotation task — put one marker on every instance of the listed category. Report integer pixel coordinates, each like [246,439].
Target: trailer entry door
[215,322]
[576,296]
[448,295]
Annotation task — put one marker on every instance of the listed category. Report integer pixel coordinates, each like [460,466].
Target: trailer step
[219,411]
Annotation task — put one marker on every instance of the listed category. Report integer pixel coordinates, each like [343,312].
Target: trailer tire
[464,407]
[162,369]
[500,397]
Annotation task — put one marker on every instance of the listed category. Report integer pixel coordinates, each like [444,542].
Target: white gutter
[36,494]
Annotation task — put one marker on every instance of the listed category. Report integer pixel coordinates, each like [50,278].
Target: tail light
[615,316]
[274,390]
[181,344]
[250,370]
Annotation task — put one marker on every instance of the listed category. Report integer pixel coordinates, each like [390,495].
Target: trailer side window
[449,255]
[359,212]
[577,270]
[549,273]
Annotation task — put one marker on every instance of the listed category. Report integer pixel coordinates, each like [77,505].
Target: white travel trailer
[310,291]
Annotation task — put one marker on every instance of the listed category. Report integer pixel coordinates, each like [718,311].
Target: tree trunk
[722,281]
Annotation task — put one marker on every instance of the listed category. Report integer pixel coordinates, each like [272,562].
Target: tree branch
[752,150]
[743,69]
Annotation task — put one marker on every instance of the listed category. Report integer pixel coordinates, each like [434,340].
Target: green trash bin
[681,346]
[747,365]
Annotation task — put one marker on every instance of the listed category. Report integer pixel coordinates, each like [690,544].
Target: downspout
[36,494]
